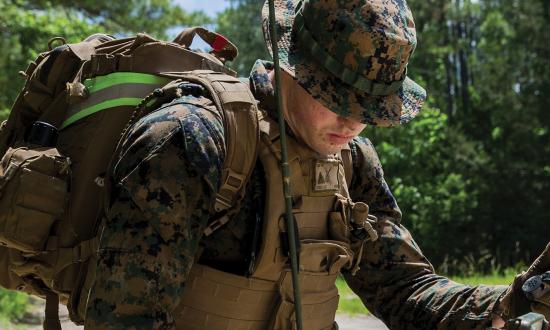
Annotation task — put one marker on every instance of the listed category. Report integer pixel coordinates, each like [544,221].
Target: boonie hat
[351,55]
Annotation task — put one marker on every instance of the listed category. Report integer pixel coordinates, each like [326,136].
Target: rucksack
[62,132]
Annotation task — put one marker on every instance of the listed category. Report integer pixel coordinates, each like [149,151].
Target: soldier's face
[321,129]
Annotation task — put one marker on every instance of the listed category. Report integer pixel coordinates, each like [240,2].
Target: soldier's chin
[329,149]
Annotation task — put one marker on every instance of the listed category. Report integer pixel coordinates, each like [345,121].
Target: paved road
[346,322]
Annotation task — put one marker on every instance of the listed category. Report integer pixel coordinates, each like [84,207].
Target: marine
[344,67]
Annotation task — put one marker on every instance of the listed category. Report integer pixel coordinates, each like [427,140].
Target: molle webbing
[145,54]
[213,299]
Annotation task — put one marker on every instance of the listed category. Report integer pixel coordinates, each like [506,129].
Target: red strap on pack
[219,43]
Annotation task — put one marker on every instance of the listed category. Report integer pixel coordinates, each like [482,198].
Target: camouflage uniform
[166,179]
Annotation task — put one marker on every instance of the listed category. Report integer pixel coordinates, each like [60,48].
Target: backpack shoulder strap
[347,160]
[241,122]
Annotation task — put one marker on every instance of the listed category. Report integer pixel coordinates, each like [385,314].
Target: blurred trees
[485,65]
[471,173]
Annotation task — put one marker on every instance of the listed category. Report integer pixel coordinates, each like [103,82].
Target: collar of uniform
[263,90]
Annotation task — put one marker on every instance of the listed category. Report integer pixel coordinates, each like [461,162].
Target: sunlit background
[471,173]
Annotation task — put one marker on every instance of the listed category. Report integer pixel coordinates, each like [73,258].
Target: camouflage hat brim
[389,110]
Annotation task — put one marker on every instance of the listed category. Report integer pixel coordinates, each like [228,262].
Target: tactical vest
[213,299]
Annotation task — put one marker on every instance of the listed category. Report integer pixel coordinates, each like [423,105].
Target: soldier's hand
[530,290]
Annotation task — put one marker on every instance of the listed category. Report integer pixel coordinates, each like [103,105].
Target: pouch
[33,195]
[320,264]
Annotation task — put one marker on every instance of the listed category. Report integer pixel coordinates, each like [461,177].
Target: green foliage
[495,277]
[425,163]
[470,174]
[27,26]
[130,16]
[25,33]
[4,113]
[242,24]
[349,302]
[12,305]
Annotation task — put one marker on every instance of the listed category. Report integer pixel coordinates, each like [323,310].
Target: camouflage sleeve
[396,282]
[163,186]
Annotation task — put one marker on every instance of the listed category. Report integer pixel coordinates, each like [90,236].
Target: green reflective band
[125,101]
[334,66]
[113,90]
[101,82]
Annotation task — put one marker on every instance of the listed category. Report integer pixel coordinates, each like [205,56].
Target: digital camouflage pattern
[351,55]
[166,173]
[166,179]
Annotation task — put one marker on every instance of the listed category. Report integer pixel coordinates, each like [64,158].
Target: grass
[493,279]
[13,305]
[351,304]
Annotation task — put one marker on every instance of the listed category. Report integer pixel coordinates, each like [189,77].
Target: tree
[485,63]
[26,26]
[241,23]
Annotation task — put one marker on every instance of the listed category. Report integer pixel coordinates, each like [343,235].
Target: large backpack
[62,133]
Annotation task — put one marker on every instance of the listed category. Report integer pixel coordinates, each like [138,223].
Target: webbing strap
[242,136]
[51,319]
[216,224]
[241,116]
[83,251]
[113,90]
[227,296]
[347,162]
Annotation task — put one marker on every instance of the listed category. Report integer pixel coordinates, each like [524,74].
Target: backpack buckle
[215,225]
[228,191]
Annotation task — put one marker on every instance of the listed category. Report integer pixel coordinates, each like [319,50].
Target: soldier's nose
[350,123]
